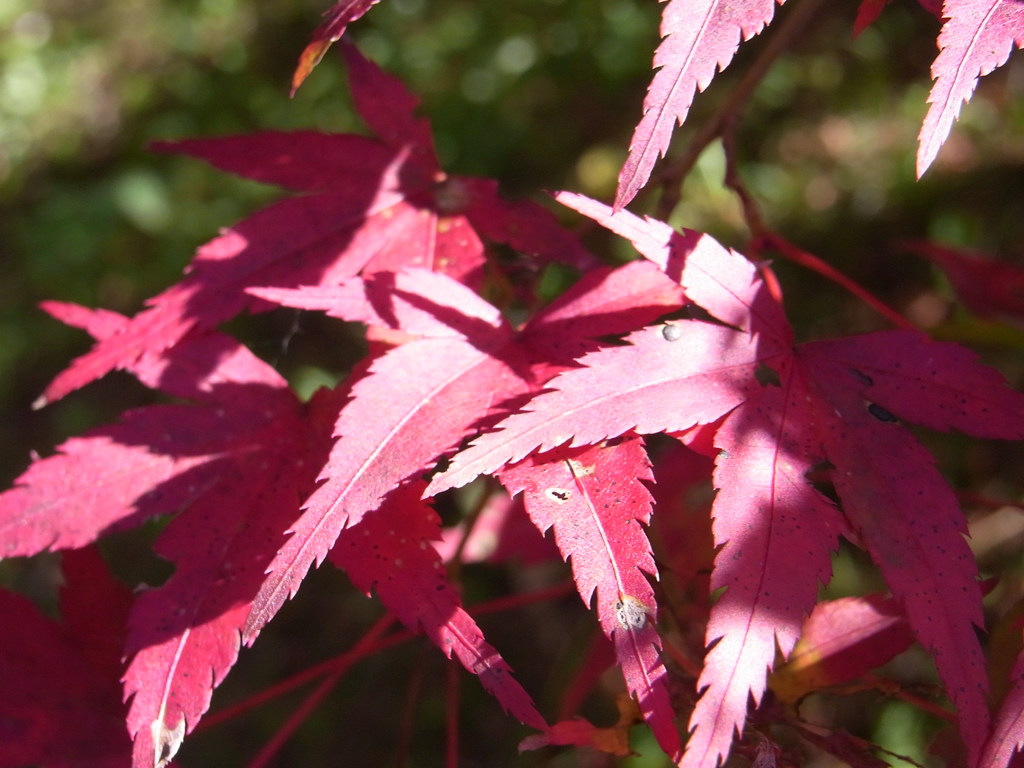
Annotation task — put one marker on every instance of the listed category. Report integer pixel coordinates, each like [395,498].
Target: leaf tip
[311,55]
[925,156]
[166,741]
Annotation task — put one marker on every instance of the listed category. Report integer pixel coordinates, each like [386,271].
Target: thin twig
[367,646]
[309,705]
[812,262]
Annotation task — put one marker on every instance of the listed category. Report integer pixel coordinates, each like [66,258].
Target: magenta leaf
[393,426]
[1007,737]
[336,21]
[374,205]
[976,38]
[184,635]
[775,534]
[61,707]
[987,287]
[785,410]
[841,641]
[700,37]
[908,519]
[595,501]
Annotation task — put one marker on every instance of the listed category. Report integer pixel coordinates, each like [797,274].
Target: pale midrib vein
[301,554]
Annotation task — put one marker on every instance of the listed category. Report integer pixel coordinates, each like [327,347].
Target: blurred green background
[540,94]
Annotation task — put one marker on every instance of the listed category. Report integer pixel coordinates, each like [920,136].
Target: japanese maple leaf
[467,363]
[596,502]
[976,38]
[700,37]
[62,705]
[336,21]
[842,640]
[989,288]
[1008,729]
[779,411]
[368,205]
[235,467]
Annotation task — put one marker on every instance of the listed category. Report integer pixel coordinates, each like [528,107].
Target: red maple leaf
[369,205]
[701,37]
[781,410]
[976,38]
[62,705]
[1007,737]
[699,40]
[235,465]
[842,640]
[596,503]
[336,21]
[469,366]
[989,288]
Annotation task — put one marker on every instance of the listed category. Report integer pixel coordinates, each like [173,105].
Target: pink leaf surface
[595,501]
[157,460]
[775,534]
[700,37]
[51,507]
[374,205]
[467,364]
[1007,737]
[393,426]
[604,301]
[591,404]
[908,518]
[787,410]
[841,641]
[58,710]
[416,301]
[389,552]
[987,287]
[237,474]
[976,38]
[184,635]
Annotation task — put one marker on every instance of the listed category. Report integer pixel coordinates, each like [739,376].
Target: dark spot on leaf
[559,495]
[880,413]
[767,376]
[862,377]
[451,196]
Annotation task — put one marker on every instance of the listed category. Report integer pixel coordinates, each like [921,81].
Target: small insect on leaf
[559,495]
[631,613]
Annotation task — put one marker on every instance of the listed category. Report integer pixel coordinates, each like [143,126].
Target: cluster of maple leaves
[262,486]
